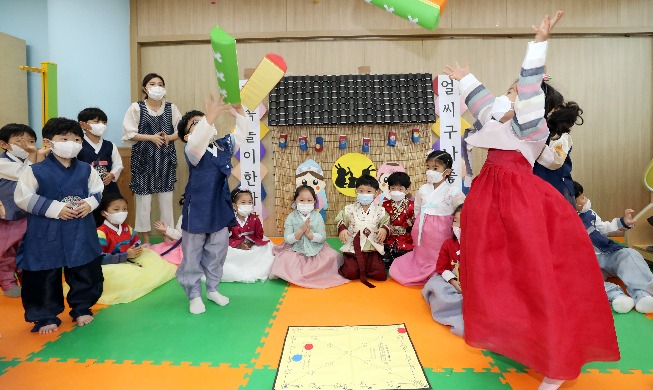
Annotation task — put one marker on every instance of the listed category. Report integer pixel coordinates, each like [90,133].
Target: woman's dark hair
[399,179]
[236,193]
[181,126]
[106,201]
[61,126]
[15,130]
[301,188]
[88,114]
[149,77]
[552,98]
[563,118]
[578,189]
[367,180]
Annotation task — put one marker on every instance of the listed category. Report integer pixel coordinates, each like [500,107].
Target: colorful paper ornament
[392,138]
[366,145]
[342,142]
[283,139]
[310,173]
[319,144]
[347,169]
[415,135]
[303,143]
[385,170]
[226,64]
[266,75]
[422,12]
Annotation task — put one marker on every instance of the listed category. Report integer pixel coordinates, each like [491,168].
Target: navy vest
[600,242]
[53,243]
[101,161]
[207,205]
[7,189]
[559,178]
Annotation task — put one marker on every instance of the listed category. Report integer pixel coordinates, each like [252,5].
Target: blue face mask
[365,199]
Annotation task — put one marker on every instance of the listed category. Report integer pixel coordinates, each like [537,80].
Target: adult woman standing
[150,127]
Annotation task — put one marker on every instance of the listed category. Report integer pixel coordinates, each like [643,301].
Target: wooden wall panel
[635,12]
[578,13]
[169,17]
[13,95]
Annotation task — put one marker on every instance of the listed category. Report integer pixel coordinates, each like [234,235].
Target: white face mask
[116,218]
[397,196]
[501,106]
[67,149]
[456,232]
[305,208]
[98,129]
[156,93]
[245,209]
[587,206]
[433,177]
[365,199]
[19,152]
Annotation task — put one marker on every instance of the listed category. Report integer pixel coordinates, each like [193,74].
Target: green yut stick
[422,12]
[226,64]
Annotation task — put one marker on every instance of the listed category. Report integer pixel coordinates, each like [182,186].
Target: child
[554,163]
[615,260]
[249,257]
[101,154]
[207,204]
[18,142]
[129,270]
[402,215]
[171,250]
[303,259]
[442,292]
[528,270]
[60,193]
[434,205]
[362,228]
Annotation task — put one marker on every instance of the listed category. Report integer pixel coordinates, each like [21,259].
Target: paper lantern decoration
[226,65]
[319,144]
[347,169]
[342,142]
[392,138]
[385,170]
[366,145]
[415,135]
[310,173]
[283,139]
[303,143]
[266,75]
[422,12]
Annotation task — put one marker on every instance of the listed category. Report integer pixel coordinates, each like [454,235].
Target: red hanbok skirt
[532,286]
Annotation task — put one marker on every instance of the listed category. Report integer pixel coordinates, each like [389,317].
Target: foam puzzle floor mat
[155,343]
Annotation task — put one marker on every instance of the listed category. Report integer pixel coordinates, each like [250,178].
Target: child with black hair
[130,271]
[304,259]
[528,270]
[625,263]
[402,216]
[19,142]
[363,227]
[59,193]
[435,202]
[207,211]
[249,257]
[442,292]
[103,155]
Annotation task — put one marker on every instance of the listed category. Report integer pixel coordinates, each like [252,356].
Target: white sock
[623,304]
[217,298]
[550,384]
[645,305]
[197,306]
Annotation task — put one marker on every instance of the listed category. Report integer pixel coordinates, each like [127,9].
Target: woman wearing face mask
[435,202]
[149,126]
[303,259]
[249,256]
[129,270]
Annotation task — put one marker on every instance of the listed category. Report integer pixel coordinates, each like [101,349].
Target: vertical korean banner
[250,157]
[450,132]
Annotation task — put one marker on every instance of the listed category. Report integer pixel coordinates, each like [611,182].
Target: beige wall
[601,59]
[13,81]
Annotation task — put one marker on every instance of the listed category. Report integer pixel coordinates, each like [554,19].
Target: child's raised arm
[477,98]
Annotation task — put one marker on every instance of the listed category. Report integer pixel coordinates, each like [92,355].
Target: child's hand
[381,234]
[307,225]
[26,146]
[67,213]
[44,151]
[456,284]
[344,235]
[543,32]
[457,73]
[108,178]
[83,209]
[213,108]
[2,211]
[628,218]
[161,226]
[134,252]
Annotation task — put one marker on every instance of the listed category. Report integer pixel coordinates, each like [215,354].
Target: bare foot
[84,320]
[48,329]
